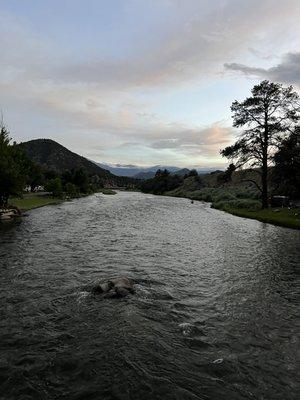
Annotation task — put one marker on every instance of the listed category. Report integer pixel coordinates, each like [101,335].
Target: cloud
[288,71]
[196,44]
[110,101]
[206,141]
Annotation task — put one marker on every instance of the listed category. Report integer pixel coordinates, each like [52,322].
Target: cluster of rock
[114,288]
[7,214]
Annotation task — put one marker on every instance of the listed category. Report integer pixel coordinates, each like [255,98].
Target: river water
[213,317]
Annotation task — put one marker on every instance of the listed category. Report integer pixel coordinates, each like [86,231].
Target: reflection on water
[214,314]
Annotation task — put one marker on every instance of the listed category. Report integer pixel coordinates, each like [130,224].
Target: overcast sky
[140,81]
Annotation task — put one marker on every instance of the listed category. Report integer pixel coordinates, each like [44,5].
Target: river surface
[213,317]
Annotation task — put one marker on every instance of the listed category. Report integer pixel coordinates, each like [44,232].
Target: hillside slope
[54,156]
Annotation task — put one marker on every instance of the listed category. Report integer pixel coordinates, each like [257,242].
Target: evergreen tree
[269,115]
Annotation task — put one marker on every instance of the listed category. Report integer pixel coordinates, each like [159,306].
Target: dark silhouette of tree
[269,115]
[226,176]
[161,183]
[35,176]
[287,166]
[13,168]
[54,186]
[162,173]
[193,172]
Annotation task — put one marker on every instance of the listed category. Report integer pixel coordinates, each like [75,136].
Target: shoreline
[275,216]
[31,201]
[34,200]
[284,217]
[288,218]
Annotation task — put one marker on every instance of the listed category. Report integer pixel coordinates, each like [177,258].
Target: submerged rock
[114,288]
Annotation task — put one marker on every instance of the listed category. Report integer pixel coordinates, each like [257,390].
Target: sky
[141,82]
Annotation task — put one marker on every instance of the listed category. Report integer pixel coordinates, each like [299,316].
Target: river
[213,317]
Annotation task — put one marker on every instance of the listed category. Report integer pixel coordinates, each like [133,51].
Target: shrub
[246,204]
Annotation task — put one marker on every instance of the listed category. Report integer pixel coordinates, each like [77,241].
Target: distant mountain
[151,174]
[138,172]
[145,175]
[121,170]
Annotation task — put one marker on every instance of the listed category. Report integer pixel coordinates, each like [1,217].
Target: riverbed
[214,315]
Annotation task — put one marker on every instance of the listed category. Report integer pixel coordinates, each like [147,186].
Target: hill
[53,156]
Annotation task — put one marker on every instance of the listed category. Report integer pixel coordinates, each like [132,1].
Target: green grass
[242,202]
[34,200]
[107,191]
[276,216]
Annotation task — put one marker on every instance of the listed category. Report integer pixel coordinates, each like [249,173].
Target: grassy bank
[242,203]
[107,191]
[34,200]
[275,216]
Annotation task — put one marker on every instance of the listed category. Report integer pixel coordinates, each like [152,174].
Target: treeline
[266,155]
[283,178]
[17,171]
[164,181]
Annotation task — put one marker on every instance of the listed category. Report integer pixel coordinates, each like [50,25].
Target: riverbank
[41,199]
[34,200]
[242,203]
[289,218]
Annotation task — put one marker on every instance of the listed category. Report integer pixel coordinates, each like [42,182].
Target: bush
[246,204]
[54,186]
[71,189]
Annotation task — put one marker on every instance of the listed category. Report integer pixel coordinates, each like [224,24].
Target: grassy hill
[58,158]
[55,157]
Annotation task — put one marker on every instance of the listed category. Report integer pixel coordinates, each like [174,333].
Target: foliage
[71,190]
[35,175]
[108,191]
[226,176]
[161,183]
[54,186]
[13,168]
[79,178]
[247,204]
[286,173]
[268,116]
[192,172]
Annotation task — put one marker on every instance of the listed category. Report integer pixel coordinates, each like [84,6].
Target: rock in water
[114,288]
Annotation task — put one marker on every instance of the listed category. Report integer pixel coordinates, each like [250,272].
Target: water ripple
[213,317]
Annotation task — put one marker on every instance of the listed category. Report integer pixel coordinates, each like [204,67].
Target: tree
[81,180]
[225,177]
[269,115]
[192,172]
[71,189]
[161,183]
[12,168]
[287,166]
[35,176]
[162,173]
[54,186]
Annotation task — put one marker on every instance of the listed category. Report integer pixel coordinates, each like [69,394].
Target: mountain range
[139,172]
[53,156]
